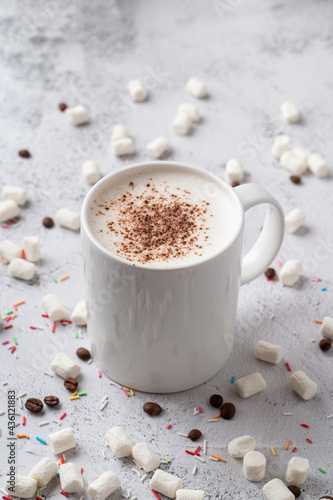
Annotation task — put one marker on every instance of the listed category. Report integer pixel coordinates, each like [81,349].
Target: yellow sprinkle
[218,458]
[273,451]
[13,316]
[64,277]
[126,388]
[74,397]
[20,303]
[132,392]
[74,394]
[287,444]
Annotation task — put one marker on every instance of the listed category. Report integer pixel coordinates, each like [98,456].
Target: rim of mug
[135,166]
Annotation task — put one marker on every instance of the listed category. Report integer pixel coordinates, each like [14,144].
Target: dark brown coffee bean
[48,222]
[234,184]
[51,400]
[216,401]
[83,353]
[62,106]
[194,434]
[295,490]
[270,273]
[24,153]
[228,410]
[33,404]
[152,409]
[325,344]
[295,179]
[326,496]
[71,384]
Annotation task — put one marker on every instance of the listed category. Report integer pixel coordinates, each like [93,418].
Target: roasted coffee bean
[295,179]
[71,384]
[33,404]
[234,184]
[194,434]
[228,410]
[62,106]
[325,344]
[295,490]
[152,408]
[270,273]
[51,400]
[216,401]
[83,353]
[48,222]
[24,153]
[326,496]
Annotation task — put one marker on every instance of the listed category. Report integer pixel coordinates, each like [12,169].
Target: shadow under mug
[165,330]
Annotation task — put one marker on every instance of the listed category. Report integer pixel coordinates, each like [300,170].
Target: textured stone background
[252,55]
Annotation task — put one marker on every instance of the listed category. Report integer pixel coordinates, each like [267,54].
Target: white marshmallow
[190,109]
[280,145]
[18,194]
[23,487]
[254,466]
[158,146]
[77,115]
[250,385]
[62,440]
[122,147]
[196,87]
[68,218]
[119,132]
[104,485]
[79,314]
[90,171]
[297,470]
[235,170]
[54,307]
[31,248]
[190,495]
[301,384]
[182,124]
[165,483]
[44,471]
[271,353]
[239,446]
[137,91]
[302,153]
[70,478]
[293,162]
[277,490]
[119,442]
[22,269]
[145,457]
[9,250]
[289,112]
[63,366]
[294,220]
[317,164]
[327,327]
[8,210]
[290,272]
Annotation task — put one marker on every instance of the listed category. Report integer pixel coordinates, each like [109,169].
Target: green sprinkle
[76,335]
[81,394]
[37,493]
[166,459]
[322,470]
[54,278]
[81,188]
[40,440]
[9,312]
[15,340]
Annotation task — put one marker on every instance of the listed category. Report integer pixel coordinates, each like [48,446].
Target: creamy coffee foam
[164,217]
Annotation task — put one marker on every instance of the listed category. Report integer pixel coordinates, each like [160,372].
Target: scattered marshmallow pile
[56,311]
[13,197]
[121,143]
[21,261]
[187,115]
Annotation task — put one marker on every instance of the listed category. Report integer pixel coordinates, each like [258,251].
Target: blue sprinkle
[40,440]
[323,289]
[233,379]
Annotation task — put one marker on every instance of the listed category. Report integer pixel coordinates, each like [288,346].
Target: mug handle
[258,259]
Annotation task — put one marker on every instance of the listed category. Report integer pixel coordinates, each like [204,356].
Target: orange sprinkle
[217,416]
[4,261]
[317,321]
[23,436]
[13,316]
[218,458]
[23,254]
[64,277]
[19,303]
[74,394]
[287,444]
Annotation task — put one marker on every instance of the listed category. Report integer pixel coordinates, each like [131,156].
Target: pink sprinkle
[288,367]
[99,373]
[5,342]
[316,278]
[5,226]
[279,262]
[8,318]
[23,420]
[15,307]
[125,392]
[200,409]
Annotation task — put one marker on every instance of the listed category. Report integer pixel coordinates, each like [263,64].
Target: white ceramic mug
[162,330]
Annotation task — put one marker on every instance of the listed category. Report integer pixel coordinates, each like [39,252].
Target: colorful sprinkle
[8,326]
[63,416]
[64,277]
[64,493]
[273,451]
[74,397]
[5,342]
[319,468]
[218,458]
[54,326]
[13,349]
[20,303]
[32,327]
[197,450]
[315,278]
[309,440]
[99,373]
[23,254]
[317,321]
[5,226]
[169,426]
[217,416]
[5,263]
[294,449]
[279,263]
[14,316]
[323,289]
[81,394]
[15,340]
[167,459]
[8,318]
[287,444]
[233,379]
[45,315]
[125,392]
[192,453]
[23,420]
[288,367]
[132,392]
[54,278]
[6,498]
[40,440]
[304,425]
[76,335]
[23,436]
[156,495]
